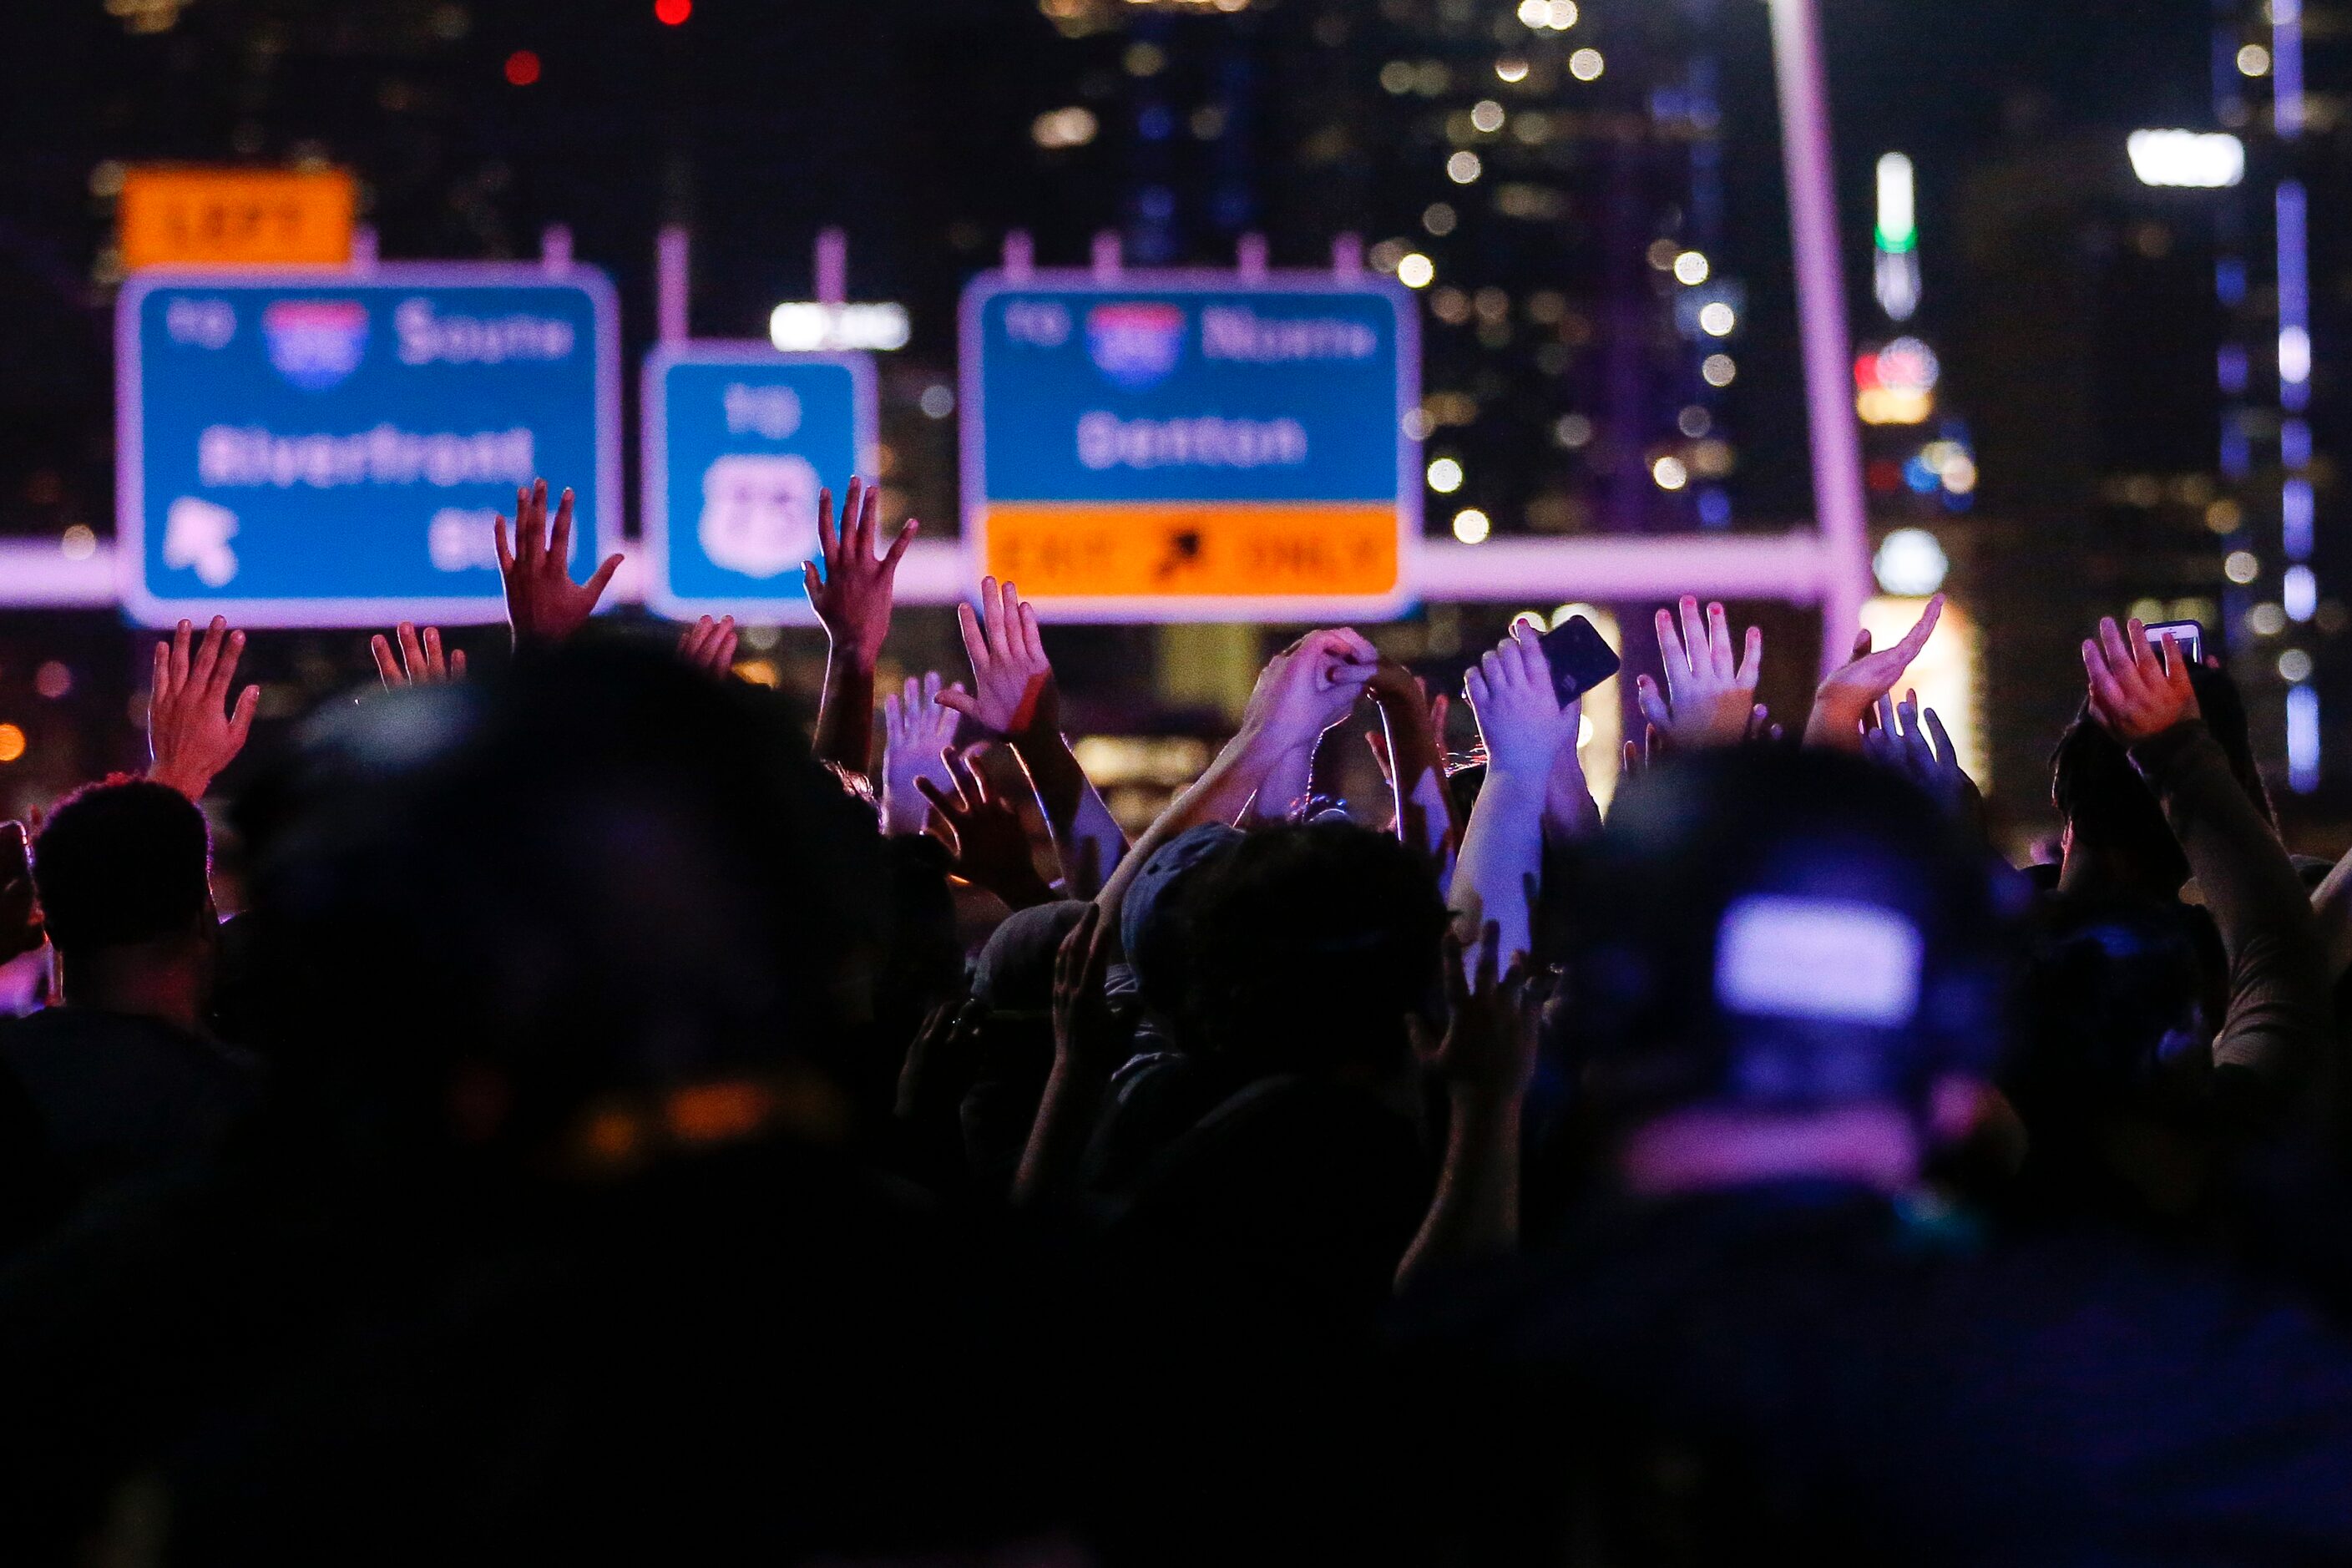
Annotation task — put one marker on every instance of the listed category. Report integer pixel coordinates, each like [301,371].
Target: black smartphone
[1579,658]
[2186,636]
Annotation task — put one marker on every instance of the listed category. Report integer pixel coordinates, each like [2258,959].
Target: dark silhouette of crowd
[622,1119]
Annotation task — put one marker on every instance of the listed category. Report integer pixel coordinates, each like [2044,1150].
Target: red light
[670,13]
[522,67]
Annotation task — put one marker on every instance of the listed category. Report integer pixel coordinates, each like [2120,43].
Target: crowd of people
[620,1121]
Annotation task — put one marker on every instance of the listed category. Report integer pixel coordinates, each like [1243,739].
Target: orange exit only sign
[174,216]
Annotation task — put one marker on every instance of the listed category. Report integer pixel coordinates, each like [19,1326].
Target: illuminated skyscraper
[2275,249]
[1557,167]
[1546,175]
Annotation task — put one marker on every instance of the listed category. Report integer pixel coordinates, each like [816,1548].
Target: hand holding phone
[2189,637]
[1580,658]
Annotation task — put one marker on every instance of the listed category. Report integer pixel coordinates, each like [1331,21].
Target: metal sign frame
[604,524]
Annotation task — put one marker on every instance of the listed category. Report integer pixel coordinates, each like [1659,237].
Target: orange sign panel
[236,217]
[1095,549]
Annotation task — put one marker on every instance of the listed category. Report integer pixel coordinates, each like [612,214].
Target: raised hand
[940,1059]
[917,730]
[1710,693]
[984,832]
[1014,695]
[20,908]
[1308,687]
[709,645]
[1013,692]
[544,605]
[1091,1041]
[2134,694]
[1488,1047]
[1912,741]
[1485,1058]
[420,662]
[1845,697]
[852,594]
[192,731]
[1519,714]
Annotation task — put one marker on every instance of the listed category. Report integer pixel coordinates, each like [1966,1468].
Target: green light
[1898,229]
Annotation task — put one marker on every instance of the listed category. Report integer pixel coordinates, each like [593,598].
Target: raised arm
[852,597]
[193,731]
[1485,1060]
[1013,696]
[1525,726]
[1412,731]
[1307,687]
[1090,1042]
[2276,1026]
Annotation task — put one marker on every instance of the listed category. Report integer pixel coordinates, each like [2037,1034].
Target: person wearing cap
[1761,1333]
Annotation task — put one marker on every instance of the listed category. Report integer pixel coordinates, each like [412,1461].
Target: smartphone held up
[2189,637]
[1580,658]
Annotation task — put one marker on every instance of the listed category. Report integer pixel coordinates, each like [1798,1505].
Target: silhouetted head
[1311,945]
[486,910]
[2108,809]
[1781,931]
[122,862]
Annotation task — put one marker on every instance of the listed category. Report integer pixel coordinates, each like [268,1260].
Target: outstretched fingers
[1917,637]
[601,579]
[1673,655]
[387,667]
[1695,647]
[240,718]
[1719,650]
[559,542]
[1032,642]
[907,532]
[947,810]
[530,525]
[1751,660]
[975,636]
[1650,700]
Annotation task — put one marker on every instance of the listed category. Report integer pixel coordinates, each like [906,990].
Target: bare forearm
[1502,855]
[1475,1211]
[1085,832]
[845,715]
[1057,1139]
[1569,811]
[1217,795]
[1423,804]
[1835,725]
[1285,787]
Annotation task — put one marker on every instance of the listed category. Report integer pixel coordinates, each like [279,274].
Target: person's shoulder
[70,1026]
[56,1034]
